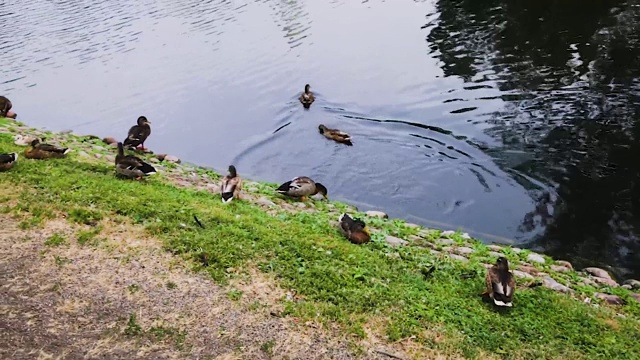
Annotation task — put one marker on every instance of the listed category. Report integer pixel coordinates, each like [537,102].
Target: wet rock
[559,268]
[610,299]
[565,264]
[597,272]
[458,257]
[604,281]
[447,233]
[495,248]
[109,140]
[495,254]
[377,214]
[537,258]
[635,284]
[395,241]
[444,241]
[463,250]
[552,284]
[172,158]
[522,274]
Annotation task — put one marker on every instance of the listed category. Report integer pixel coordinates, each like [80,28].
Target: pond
[514,121]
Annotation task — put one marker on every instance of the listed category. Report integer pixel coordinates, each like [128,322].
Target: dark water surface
[514,120]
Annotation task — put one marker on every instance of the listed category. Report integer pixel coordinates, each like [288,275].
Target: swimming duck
[231,185]
[7,161]
[301,187]
[5,108]
[138,133]
[500,283]
[307,96]
[39,150]
[335,135]
[131,166]
[354,229]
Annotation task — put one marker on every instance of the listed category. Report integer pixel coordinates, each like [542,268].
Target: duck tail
[147,169]
[227,197]
[284,187]
[120,149]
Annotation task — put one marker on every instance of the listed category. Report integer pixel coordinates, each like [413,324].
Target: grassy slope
[352,285]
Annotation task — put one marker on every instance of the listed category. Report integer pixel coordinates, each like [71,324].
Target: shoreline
[382,290]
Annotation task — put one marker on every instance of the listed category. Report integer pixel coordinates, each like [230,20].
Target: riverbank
[97,266]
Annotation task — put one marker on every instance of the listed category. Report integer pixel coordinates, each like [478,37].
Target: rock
[463,250]
[458,257]
[301,205]
[495,254]
[604,281]
[377,214]
[466,236]
[588,281]
[154,160]
[110,158]
[252,189]
[565,264]
[172,158]
[635,297]
[113,145]
[559,268]
[434,252]
[424,233]
[161,156]
[395,241]
[98,156]
[627,286]
[109,140]
[528,269]
[415,238]
[411,225]
[597,272]
[265,202]
[610,299]
[521,274]
[447,233]
[447,249]
[635,284]
[83,154]
[536,258]
[495,248]
[516,250]
[445,241]
[99,148]
[552,284]
[214,188]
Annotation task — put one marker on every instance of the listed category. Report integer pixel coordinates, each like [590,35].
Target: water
[516,122]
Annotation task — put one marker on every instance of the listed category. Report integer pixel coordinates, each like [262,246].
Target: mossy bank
[409,293]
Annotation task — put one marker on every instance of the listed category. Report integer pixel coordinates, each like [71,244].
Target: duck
[7,161]
[131,166]
[500,283]
[231,185]
[335,135]
[40,150]
[301,187]
[307,97]
[138,133]
[5,108]
[354,229]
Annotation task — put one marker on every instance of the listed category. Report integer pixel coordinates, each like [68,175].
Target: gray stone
[463,250]
[627,286]
[377,214]
[252,189]
[458,257]
[521,274]
[172,158]
[495,248]
[635,284]
[447,249]
[608,298]
[465,236]
[445,241]
[597,272]
[487,266]
[395,241]
[552,284]
[559,268]
[565,264]
[536,258]
[495,254]
[588,281]
[424,233]
[447,233]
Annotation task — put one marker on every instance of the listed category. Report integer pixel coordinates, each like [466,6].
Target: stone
[434,252]
[172,158]
[463,250]
[516,250]
[635,284]
[395,241]
[447,249]
[161,156]
[424,233]
[411,225]
[458,257]
[627,286]
[536,258]
[445,241]
[214,188]
[604,281]
[301,205]
[552,284]
[597,272]
[154,160]
[528,269]
[99,148]
[113,145]
[98,156]
[415,238]
[465,236]
[559,268]
[109,140]
[521,274]
[495,248]
[635,297]
[110,158]
[377,214]
[495,254]
[588,281]
[83,154]
[265,202]
[610,299]
[565,264]
[447,233]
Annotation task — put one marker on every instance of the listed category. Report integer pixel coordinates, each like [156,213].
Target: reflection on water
[514,121]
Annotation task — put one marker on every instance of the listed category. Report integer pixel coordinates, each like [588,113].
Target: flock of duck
[499,281]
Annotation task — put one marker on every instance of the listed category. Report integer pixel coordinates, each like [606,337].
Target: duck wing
[52,148]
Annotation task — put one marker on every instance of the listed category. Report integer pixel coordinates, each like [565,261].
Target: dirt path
[123,297]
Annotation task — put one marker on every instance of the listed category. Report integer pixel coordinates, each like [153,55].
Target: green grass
[340,282]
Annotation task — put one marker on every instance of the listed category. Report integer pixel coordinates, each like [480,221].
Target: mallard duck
[7,161]
[335,135]
[500,283]
[354,229]
[39,150]
[307,96]
[5,108]
[131,166]
[138,133]
[301,187]
[231,185]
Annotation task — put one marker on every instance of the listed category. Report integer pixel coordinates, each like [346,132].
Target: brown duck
[131,166]
[5,108]
[307,97]
[301,187]
[138,133]
[7,161]
[354,229]
[335,135]
[500,283]
[231,185]
[39,150]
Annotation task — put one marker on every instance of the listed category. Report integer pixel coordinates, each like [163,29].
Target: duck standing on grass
[138,133]
[301,187]
[231,185]
[335,135]
[354,229]
[500,283]
[7,161]
[307,97]
[5,108]
[131,166]
[39,150]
